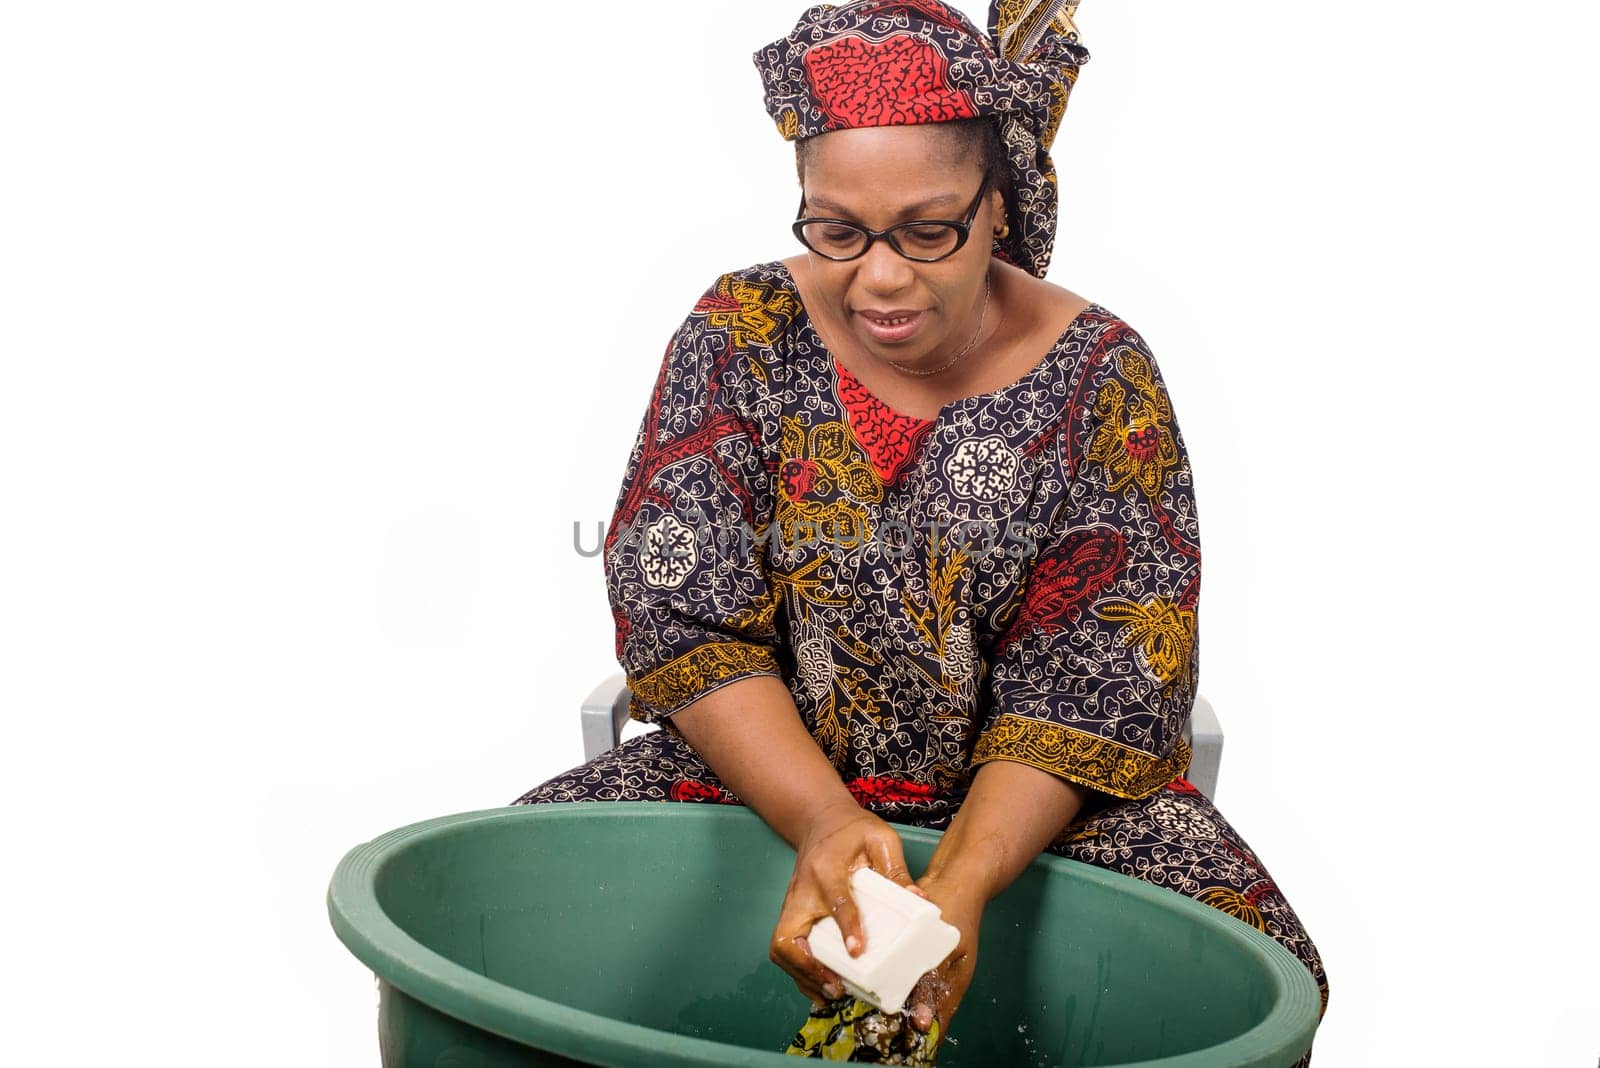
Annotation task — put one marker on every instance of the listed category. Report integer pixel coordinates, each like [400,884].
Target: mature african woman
[908,534]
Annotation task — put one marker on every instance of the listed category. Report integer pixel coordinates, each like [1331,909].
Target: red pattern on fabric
[1143,444]
[1261,890]
[892,440]
[689,790]
[885,789]
[939,13]
[894,62]
[896,82]
[716,302]
[798,478]
[1087,562]
[657,455]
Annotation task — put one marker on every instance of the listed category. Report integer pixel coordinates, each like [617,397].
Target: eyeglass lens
[921,241]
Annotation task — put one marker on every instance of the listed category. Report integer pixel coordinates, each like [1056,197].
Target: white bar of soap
[905,938]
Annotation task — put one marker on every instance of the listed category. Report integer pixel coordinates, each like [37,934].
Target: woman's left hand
[939,992]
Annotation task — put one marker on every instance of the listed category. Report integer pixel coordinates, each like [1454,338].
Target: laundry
[848,1029]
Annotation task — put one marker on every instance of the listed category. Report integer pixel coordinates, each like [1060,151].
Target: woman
[908,534]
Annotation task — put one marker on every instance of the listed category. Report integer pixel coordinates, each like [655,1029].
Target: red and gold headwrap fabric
[896,62]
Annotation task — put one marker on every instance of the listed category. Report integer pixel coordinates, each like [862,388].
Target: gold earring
[1004,231]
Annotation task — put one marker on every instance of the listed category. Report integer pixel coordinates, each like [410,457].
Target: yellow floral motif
[788,124]
[960,668]
[761,312]
[1087,759]
[1016,20]
[1235,904]
[1133,439]
[758,618]
[685,678]
[1162,632]
[862,695]
[810,582]
[814,466]
[1058,108]
[823,678]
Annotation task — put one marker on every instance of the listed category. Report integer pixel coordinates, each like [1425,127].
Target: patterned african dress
[1015,579]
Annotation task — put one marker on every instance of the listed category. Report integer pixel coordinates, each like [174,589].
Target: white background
[323,322]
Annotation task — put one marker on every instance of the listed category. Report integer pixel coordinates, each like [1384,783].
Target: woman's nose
[883,270]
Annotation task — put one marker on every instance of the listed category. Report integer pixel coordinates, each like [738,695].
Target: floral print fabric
[1015,579]
[899,62]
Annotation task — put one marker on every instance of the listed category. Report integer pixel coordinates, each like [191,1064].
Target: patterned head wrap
[895,62]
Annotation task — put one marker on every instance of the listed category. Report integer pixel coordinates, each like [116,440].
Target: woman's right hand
[840,838]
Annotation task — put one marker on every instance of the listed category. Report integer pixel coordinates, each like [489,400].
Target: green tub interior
[636,934]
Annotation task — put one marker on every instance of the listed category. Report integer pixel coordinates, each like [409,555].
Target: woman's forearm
[751,736]
[1011,813]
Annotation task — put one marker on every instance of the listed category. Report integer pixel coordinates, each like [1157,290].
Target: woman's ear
[997,202]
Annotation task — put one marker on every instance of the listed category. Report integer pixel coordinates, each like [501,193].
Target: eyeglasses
[922,240]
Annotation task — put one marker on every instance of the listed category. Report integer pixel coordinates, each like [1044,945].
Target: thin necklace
[968,347]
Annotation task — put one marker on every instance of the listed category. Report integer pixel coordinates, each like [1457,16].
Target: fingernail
[853,944]
[832,990]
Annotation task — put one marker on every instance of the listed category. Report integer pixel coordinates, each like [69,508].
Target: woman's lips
[891,328]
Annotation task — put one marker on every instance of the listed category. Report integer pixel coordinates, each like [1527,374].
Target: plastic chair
[606,710]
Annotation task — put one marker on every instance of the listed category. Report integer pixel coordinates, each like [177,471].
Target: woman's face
[877,177]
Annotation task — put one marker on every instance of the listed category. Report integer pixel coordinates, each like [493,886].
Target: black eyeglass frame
[963,231]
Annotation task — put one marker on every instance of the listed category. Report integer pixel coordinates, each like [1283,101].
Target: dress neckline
[1039,370]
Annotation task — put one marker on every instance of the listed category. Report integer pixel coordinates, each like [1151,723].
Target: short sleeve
[1093,676]
[685,552]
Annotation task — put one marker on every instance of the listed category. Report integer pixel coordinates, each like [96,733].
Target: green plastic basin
[636,934]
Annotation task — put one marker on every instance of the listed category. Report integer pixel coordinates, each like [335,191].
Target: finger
[917,1003]
[889,860]
[815,980]
[842,906]
[849,919]
[921,1009]
[825,978]
[928,1000]
[785,955]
